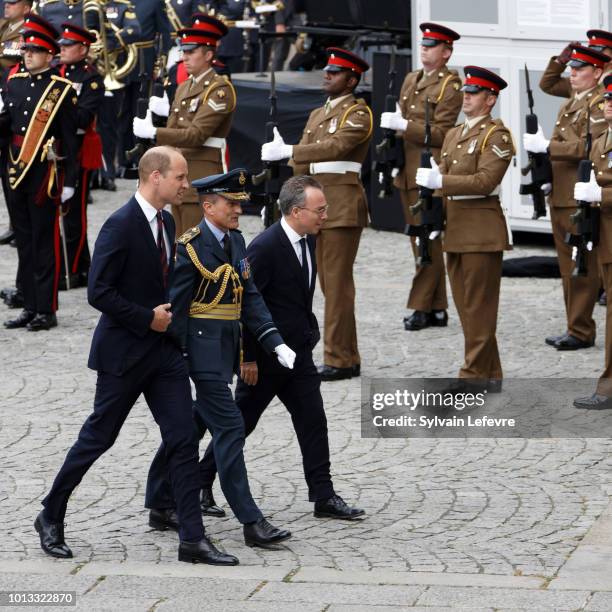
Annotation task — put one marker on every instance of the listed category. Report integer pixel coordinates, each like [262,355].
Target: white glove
[588,192]
[277,149]
[262,214]
[160,106]
[393,121]
[67,193]
[429,177]
[143,128]
[285,356]
[536,143]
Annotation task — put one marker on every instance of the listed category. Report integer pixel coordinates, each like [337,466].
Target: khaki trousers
[428,291]
[186,216]
[475,280]
[579,292]
[336,252]
[604,386]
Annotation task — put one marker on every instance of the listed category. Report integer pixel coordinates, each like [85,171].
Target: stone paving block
[338,593]
[198,605]
[503,598]
[599,602]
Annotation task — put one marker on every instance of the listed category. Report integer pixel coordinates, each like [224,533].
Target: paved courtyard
[476,524]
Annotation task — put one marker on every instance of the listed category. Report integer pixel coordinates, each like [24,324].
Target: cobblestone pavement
[477,524]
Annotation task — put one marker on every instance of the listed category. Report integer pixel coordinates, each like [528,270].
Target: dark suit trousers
[300,392]
[163,379]
[216,410]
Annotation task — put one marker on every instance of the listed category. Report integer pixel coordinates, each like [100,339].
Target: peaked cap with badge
[435,34]
[232,185]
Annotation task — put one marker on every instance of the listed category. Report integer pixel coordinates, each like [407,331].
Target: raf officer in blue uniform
[211,294]
[57,12]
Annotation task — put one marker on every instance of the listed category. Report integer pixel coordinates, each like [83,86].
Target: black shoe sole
[214,513]
[269,545]
[161,525]
[355,517]
[574,348]
[187,558]
[38,528]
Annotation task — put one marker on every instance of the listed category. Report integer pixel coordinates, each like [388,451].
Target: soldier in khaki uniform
[553,82]
[10,31]
[200,116]
[333,147]
[599,191]
[439,86]
[475,157]
[567,148]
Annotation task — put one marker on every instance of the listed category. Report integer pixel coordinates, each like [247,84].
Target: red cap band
[472,80]
[600,42]
[587,59]
[198,39]
[437,36]
[39,42]
[334,60]
[71,35]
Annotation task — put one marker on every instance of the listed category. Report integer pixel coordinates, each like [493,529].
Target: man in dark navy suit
[283,264]
[128,283]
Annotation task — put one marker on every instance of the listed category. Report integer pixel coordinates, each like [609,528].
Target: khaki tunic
[442,89]
[343,134]
[196,114]
[476,234]
[553,83]
[601,156]
[10,44]
[567,148]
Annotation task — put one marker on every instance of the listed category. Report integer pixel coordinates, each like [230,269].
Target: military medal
[245,268]
[472,146]
[193,105]
[333,125]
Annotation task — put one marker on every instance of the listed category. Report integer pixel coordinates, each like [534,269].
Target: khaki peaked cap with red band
[480,79]
[434,34]
[340,59]
[599,39]
[73,34]
[608,87]
[205,31]
[587,56]
[36,23]
[38,40]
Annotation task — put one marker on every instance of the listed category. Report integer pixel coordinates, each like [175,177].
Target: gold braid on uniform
[224,271]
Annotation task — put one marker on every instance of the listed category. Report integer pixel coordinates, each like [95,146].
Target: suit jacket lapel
[291,257]
[145,230]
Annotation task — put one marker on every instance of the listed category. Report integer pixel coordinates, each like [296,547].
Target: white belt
[495,192]
[80,131]
[214,142]
[335,167]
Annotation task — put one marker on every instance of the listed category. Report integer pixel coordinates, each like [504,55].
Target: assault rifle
[430,207]
[538,165]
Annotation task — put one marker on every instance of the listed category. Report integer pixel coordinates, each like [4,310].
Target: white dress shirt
[150,212]
[294,239]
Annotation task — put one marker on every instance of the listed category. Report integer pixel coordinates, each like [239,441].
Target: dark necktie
[227,247]
[161,245]
[305,273]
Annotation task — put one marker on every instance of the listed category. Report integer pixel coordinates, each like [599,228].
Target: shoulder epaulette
[189,235]
[55,77]
[19,74]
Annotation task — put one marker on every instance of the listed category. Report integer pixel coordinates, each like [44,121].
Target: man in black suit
[132,354]
[283,264]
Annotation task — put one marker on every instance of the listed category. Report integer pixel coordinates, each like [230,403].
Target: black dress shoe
[7,236]
[438,318]
[108,184]
[22,320]
[6,291]
[15,299]
[417,320]
[163,519]
[356,370]
[571,343]
[335,507]
[42,321]
[552,340]
[327,372]
[209,505]
[204,551]
[595,402]
[262,533]
[52,537]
